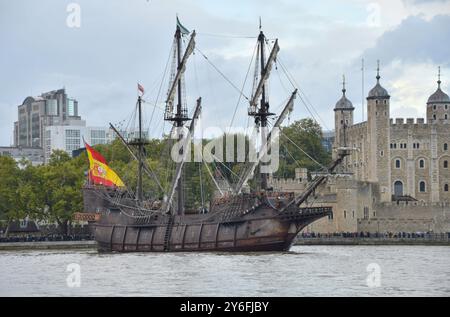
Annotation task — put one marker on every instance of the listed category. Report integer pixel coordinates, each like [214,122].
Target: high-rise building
[36,113]
[51,122]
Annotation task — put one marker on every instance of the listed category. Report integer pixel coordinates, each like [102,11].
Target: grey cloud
[415,40]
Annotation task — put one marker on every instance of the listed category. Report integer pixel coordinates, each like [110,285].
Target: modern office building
[37,113]
[51,122]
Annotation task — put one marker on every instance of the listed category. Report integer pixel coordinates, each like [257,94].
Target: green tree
[9,184]
[299,140]
[61,194]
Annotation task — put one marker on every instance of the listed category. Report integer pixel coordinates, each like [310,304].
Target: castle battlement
[360,125]
[409,122]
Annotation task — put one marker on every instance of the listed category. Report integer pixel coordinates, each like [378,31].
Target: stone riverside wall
[408,217]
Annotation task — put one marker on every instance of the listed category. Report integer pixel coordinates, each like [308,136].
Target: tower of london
[397,177]
[408,159]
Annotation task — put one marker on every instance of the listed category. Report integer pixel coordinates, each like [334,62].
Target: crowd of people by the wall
[377,235]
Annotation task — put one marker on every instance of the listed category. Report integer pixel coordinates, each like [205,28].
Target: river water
[304,271]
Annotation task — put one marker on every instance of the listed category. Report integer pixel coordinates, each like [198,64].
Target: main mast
[263,112]
[180,115]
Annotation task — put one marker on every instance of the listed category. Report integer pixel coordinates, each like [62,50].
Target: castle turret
[438,105]
[343,118]
[379,138]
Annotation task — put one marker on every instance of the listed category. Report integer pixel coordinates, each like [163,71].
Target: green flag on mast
[182,28]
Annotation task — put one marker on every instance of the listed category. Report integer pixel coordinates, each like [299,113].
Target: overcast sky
[123,42]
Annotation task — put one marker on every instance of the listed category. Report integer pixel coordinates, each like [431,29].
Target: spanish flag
[99,172]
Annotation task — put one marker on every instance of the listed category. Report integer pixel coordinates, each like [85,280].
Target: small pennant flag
[141,89]
[183,30]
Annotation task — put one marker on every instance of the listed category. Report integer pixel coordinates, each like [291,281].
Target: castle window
[398,189]
[404,146]
[434,117]
[434,107]
[385,102]
[445,147]
[330,216]
[366,212]
[422,164]
[382,153]
[353,212]
[446,116]
[445,164]
[395,145]
[446,188]
[397,163]
[342,121]
[422,187]
[345,214]
[418,145]
[376,102]
[414,145]
[446,107]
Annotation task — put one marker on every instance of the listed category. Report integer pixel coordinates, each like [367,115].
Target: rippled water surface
[305,271]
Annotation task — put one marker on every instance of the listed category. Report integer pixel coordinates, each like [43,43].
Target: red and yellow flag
[99,172]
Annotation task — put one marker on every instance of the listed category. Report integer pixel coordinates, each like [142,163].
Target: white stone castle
[397,178]
[408,160]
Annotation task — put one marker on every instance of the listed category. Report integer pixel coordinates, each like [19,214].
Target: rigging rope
[222,74]
[160,87]
[243,86]
[299,148]
[228,36]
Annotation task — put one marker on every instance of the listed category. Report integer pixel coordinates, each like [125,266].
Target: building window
[366,212]
[422,187]
[445,164]
[345,214]
[51,106]
[434,107]
[446,188]
[422,164]
[446,116]
[330,216]
[446,107]
[353,214]
[70,107]
[398,163]
[434,117]
[445,147]
[398,189]
[382,153]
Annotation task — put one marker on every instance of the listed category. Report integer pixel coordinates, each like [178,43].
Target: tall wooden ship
[259,220]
